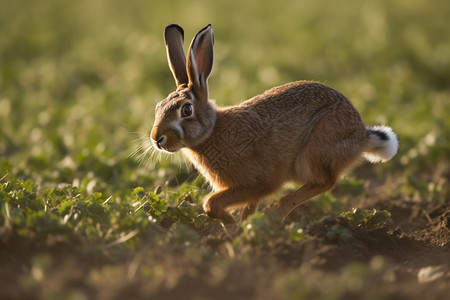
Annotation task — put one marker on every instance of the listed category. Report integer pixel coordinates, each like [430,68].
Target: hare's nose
[161,141]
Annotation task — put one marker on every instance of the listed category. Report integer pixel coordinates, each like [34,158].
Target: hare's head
[186,117]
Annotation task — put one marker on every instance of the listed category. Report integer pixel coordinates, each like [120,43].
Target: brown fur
[302,131]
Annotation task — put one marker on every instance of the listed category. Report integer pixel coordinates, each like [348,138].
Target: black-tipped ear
[174,38]
[200,61]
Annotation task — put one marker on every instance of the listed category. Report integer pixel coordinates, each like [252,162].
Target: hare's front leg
[218,203]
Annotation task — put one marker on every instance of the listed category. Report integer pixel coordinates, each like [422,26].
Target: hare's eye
[187,110]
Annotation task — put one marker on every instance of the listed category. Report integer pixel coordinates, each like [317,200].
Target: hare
[303,131]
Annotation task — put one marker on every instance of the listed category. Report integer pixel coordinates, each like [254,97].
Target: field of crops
[86,212]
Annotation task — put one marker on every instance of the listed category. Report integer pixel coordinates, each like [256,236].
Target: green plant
[368,218]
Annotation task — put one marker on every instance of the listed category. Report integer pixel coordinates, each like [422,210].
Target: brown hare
[302,131]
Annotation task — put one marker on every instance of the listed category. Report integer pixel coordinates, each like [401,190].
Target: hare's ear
[200,62]
[174,38]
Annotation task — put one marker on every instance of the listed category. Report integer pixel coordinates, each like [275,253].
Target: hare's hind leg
[218,203]
[330,151]
[307,191]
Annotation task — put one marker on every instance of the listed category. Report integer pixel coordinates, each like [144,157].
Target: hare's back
[292,110]
[305,96]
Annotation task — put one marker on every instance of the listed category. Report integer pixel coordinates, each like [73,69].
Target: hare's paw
[214,209]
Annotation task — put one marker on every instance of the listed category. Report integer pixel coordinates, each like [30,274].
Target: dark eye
[187,110]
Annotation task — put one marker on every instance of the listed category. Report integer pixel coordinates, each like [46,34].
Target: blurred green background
[79,79]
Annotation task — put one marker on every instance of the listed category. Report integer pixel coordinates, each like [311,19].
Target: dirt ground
[410,260]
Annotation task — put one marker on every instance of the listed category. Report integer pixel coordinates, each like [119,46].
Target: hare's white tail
[382,144]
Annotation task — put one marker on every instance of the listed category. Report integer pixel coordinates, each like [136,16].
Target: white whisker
[136,151]
[145,153]
[142,150]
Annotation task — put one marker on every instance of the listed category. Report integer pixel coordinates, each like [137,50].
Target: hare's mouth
[162,145]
